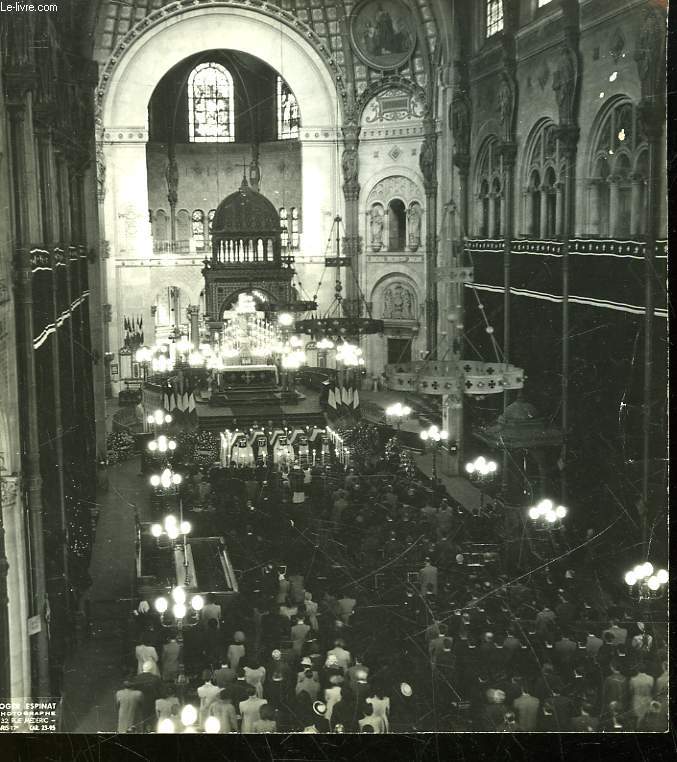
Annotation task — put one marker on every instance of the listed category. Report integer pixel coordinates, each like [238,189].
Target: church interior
[333,366]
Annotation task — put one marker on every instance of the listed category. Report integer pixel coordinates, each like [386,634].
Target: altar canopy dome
[245,211]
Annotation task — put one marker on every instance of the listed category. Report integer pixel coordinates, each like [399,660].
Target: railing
[587,246]
[176,247]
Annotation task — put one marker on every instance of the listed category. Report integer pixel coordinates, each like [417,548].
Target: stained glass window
[210,104]
[494,17]
[294,227]
[284,228]
[288,119]
[198,228]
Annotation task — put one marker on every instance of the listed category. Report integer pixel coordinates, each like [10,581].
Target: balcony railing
[177,247]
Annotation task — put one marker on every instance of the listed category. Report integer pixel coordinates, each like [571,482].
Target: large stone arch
[127,83]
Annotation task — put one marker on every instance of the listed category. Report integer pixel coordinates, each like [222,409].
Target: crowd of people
[359,612]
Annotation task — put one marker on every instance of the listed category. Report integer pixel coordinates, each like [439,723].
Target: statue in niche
[414,214]
[398,303]
[505,104]
[427,158]
[564,84]
[349,165]
[172,177]
[376,227]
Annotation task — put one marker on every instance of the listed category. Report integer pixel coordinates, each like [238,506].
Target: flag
[172,402]
[356,399]
[185,401]
[349,397]
[191,403]
[331,400]
[344,396]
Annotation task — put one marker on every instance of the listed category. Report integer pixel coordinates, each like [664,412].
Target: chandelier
[337,323]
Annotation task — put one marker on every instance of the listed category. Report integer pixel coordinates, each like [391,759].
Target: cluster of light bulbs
[179,608]
[398,410]
[349,354]
[644,575]
[188,718]
[172,528]
[434,434]
[547,511]
[159,417]
[166,479]
[481,467]
[162,444]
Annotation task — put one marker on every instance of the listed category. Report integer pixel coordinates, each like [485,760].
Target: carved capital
[18,82]
[568,136]
[509,154]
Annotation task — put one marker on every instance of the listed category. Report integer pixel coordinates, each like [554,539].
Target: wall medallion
[383,33]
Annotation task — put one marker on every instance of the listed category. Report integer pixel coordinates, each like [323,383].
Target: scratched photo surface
[333,379]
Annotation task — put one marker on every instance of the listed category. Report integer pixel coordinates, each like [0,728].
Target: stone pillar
[491,233]
[17,586]
[428,165]
[636,210]
[351,194]
[508,156]
[5,651]
[559,209]
[594,218]
[544,212]
[26,215]
[651,119]
[614,205]
[567,135]
[194,320]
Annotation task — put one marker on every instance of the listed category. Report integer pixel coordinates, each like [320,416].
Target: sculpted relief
[398,303]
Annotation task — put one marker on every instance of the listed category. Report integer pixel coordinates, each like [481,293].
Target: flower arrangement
[120,446]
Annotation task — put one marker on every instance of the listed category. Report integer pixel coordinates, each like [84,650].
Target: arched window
[288,118]
[211,117]
[183,225]
[544,192]
[618,175]
[198,229]
[397,225]
[294,227]
[160,226]
[489,223]
[494,16]
[284,227]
